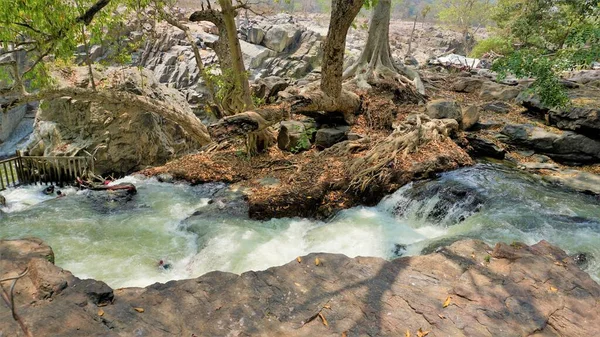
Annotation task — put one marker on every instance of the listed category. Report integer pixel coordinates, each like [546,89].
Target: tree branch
[88,16]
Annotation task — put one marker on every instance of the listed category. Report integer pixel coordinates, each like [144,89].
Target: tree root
[378,163]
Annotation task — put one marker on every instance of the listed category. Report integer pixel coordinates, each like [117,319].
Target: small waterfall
[198,229]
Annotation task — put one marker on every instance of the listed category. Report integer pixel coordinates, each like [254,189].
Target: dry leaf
[345,334]
[421,333]
[139,309]
[407,334]
[299,259]
[326,306]
[447,301]
[317,262]
[560,264]
[441,316]
[297,284]
[553,289]
[473,254]
[100,312]
[323,319]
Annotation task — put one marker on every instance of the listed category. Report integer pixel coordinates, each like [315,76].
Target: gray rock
[467,84]
[499,107]
[568,147]
[255,55]
[280,37]
[293,137]
[587,77]
[441,109]
[267,88]
[582,116]
[577,180]
[491,91]
[470,116]
[255,35]
[481,147]
[327,137]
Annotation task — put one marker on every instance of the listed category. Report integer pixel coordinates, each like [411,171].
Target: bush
[496,44]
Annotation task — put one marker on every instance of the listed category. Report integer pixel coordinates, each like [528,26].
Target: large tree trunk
[331,98]
[375,62]
[239,98]
[343,13]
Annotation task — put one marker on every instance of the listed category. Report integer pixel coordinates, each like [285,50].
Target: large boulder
[152,125]
[280,37]
[567,147]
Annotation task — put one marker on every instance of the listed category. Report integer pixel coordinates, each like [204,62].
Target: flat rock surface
[466,289]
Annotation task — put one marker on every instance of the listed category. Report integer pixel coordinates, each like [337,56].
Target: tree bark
[343,13]
[221,47]
[375,62]
[239,99]
[245,123]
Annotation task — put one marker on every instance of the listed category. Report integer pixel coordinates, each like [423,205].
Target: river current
[121,242]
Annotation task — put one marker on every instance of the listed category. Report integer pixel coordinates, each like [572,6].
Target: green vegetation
[548,37]
[494,45]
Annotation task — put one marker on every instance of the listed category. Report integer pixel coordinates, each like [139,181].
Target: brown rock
[521,291]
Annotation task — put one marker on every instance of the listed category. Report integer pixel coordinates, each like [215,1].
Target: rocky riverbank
[466,289]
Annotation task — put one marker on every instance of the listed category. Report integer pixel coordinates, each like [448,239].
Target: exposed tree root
[311,103]
[376,64]
[379,162]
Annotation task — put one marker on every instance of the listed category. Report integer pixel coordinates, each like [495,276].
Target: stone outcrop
[581,116]
[466,116]
[465,289]
[567,147]
[123,136]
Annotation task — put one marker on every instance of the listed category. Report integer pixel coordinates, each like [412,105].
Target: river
[121,242]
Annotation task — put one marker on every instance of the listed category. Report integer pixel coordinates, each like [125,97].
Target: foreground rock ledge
[511,290]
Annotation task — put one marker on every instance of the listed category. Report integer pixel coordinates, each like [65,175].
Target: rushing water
[121,243]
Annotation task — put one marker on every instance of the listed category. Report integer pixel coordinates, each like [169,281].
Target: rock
[445,203]
[255,55]
[327,137]
[124,137]
[293,137]
[491,91]
[499,107]
[268,88]
[486,125]
[470,116]
[280,37]
[567,147]
[508,290]
[441,109]
[587,77]
[255,35]
[165,178]
[481,147]
[581,116]
[577,180]
[467,84]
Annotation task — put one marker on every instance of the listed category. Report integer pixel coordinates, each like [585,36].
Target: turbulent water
[95,236]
